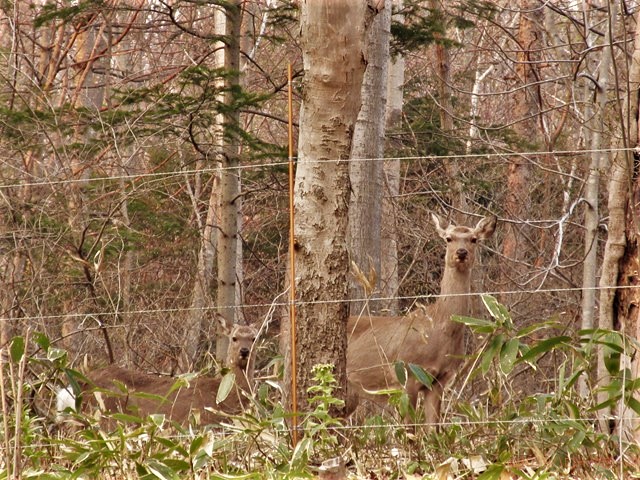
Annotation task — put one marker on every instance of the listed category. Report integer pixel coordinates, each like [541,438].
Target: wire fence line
[284,163]
[214,308]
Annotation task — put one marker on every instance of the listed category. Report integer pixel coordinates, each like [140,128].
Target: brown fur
[426,336]
[179,402]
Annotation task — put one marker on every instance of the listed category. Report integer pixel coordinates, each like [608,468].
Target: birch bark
[366,166]
[332,34]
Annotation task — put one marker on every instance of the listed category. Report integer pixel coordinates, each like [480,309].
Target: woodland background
[131,131]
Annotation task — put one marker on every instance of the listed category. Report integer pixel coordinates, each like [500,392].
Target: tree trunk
[443,71]
[228,233]
[592,188]
[366,166]
[332,48]
[613,252]
[527,111]
[89,94]
[628,299]
[389,278]
[201,298]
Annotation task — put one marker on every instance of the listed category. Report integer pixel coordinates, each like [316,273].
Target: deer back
[117,389]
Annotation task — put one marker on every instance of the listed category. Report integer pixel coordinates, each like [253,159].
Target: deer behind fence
[426,336]
[117,389]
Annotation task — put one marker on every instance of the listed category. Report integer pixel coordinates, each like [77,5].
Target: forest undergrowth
[499,432]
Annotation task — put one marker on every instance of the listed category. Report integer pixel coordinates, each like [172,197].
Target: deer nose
[462,253]
[244,352]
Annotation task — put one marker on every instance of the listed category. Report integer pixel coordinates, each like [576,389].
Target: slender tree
[527,102]
[597,112]
[367,152]
[228,232]
[389,278]
[442,60]
[624,307]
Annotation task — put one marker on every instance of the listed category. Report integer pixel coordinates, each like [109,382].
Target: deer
[117,389]
[426,336]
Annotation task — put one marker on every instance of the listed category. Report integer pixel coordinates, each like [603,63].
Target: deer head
[461,241]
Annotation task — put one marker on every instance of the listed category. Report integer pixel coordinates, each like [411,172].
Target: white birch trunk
[198,324]
[389,276]
[616,238]
[366,166]
[631,325]
[228,232]
[592,190]
[626,311]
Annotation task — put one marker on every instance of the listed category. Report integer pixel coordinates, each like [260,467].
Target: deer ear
[224,326]
[486,227]
[437,221]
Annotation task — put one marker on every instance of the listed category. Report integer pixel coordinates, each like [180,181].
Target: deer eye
[449,239]
[234,339]
[474,240]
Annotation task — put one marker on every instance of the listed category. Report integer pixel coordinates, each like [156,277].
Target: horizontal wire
[414,298]
[231,429]
[285,163]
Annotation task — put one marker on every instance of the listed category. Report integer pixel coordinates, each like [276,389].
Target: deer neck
[454,290]
[244,377]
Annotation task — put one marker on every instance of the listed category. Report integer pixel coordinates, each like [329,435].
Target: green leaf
[572,409]
[157,419]
[73,376]
[508,355]
[614,347]
[182,381]
[608,338]
[42,340]
[160,399]
[17,349]
[421,374]
[160,470]
[497,310]
[573,378]
[544,346]
[55,354]
[606,404]
[633,404]
[404,406]
[384,391]
[301,450]
[631,385]
[172,444]
[401,372]
[196,444]
[200,459]
[177,465]
[611,361]
[225,387]
[125,418]
[478,325]
[493,472]
[528,330]
[576,440]
[492,350]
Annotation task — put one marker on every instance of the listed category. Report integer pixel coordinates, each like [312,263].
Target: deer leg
[433,398]
[432,401]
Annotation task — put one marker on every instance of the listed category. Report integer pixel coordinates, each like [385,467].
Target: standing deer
[176,402]
[426,336]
